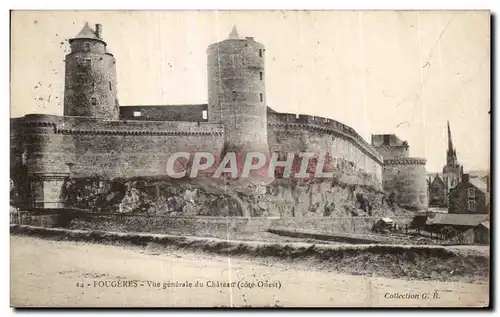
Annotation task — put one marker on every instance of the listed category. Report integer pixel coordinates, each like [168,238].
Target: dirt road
[69,274]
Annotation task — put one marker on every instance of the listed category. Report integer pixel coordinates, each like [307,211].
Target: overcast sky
[379,72]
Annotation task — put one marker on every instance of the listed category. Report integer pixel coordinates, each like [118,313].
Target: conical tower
[90,80]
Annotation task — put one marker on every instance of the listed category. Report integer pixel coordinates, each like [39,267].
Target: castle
[98,137]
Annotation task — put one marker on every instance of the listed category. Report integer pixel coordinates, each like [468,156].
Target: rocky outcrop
[156,196]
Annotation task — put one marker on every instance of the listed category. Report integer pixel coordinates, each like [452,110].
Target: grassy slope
[410,262]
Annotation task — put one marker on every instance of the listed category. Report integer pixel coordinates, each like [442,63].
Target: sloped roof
[479,183]
[269,109]
[378,140]
[437,209]
[469,220]
[438,179]
[486,224]
[474,182]
[86,33]
[433,174]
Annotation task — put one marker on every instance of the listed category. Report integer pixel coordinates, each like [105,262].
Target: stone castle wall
[389,145]
[45,146]
[191,113]
[50,145]
[134,148]
[88,147]
[91,139]
[288,133]
[404,180]
[392,151]
[84,146]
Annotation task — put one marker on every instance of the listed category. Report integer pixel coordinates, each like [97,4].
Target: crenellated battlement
[405,161]
[123,132]
[280,118]
[322,125]
[95,126]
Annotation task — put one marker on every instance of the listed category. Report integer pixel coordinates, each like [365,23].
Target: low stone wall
[223,227]
[220,227]
[38,220]
[337,224]
[339,237]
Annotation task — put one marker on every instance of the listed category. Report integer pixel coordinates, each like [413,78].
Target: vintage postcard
[250,159]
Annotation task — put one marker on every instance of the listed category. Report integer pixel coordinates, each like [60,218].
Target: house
[471,228]
[482,233]
[437,192]
[470,196]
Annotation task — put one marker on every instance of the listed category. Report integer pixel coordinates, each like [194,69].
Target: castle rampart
[97,137]
[325,125]
[289,133]
[86,146]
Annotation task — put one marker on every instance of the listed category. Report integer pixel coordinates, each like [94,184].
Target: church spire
[451,154]
[450,142]
[234,34]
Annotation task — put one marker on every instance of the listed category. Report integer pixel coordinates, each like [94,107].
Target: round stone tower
[90,83]
[237,93]
[404,182]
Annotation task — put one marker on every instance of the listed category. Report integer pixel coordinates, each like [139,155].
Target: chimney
[98,30]
[465,178]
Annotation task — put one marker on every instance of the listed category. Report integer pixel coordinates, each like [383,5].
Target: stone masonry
[97,137]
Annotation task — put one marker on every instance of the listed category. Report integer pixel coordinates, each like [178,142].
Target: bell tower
[90,80]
